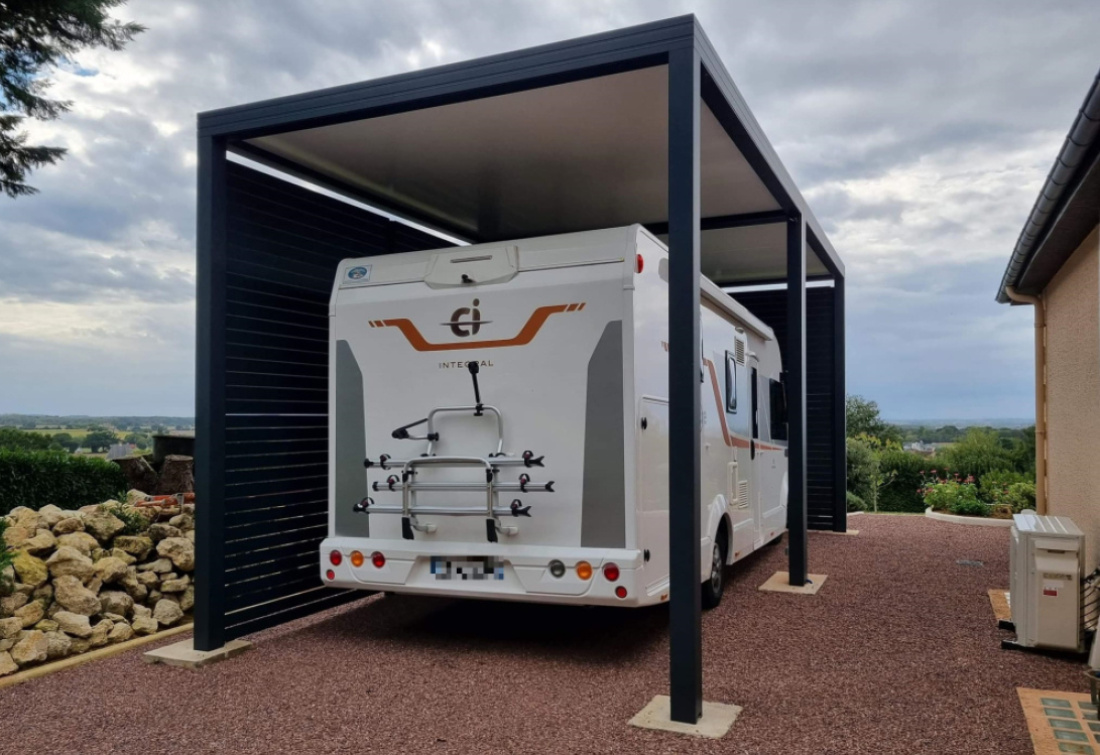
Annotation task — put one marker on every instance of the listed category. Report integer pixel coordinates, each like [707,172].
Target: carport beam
[797,519]
[684,364]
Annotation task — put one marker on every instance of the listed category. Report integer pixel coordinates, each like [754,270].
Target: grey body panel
[603,508]
[351,444]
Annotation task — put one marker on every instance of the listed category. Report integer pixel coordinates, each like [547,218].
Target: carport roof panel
[577,156]
[573,62]
[752,253]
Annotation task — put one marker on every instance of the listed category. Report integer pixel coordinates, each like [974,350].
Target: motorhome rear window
[778,396]
[731,383]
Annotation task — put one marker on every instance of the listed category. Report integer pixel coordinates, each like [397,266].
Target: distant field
[78,434]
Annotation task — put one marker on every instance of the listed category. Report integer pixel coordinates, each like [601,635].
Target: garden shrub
[904,472]
[994,485]
[136,520]
[23,441]
[1020,496]
[970,507]
[955,497]
[37,478]
[977,454]
[1004,477]
[863,468]
[855,503]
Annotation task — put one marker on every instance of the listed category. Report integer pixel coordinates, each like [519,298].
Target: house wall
[1073,392]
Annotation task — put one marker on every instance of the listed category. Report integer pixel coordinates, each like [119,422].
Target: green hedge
[37,478]
[862,469]
[979,453]
[903,470]
[855,503]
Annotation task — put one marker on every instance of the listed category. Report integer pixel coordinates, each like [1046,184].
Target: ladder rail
[466,487]
[409,509]
[408,488]
[432,434]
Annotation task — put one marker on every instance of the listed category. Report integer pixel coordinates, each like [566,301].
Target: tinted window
[755,405]
[731,383]
[778,392]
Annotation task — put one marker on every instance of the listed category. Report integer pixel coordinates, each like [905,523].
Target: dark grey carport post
[840,433]
[210,395]
[684,364]
[797,519]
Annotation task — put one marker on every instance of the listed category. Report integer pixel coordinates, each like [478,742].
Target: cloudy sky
[920,132]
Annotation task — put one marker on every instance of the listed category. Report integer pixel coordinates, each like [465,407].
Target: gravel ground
[899,652]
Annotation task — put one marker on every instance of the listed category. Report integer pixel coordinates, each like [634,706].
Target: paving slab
[781,582]
[184,655]
[715,722]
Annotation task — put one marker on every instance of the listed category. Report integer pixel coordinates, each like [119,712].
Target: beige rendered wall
[1073,393]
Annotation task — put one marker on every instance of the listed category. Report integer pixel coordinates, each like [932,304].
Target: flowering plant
[951,492]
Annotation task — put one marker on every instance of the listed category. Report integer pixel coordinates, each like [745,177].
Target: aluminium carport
[638,125]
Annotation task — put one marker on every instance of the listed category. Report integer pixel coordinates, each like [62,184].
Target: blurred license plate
[468,567]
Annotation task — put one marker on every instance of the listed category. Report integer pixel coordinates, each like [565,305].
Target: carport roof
[564,137]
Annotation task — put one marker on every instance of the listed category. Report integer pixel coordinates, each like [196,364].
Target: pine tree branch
[37,35]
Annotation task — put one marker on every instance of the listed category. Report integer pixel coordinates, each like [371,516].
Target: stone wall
[98,575]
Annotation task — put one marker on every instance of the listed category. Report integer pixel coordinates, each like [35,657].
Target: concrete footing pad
[184,655]
[780,582]
[715,723]
[1002,605]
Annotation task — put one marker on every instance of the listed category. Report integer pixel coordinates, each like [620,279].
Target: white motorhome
[500,424]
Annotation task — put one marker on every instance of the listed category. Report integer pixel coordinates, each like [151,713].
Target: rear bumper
[524,574]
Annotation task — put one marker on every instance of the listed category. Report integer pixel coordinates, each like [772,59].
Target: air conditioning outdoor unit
[1045,590]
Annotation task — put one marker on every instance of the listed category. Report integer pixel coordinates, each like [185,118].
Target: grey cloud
[847,91]
[41,267]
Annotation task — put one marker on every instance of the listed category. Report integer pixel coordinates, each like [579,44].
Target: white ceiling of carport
[577,156]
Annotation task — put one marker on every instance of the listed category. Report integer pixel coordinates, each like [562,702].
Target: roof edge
[562,59]
[1068,170]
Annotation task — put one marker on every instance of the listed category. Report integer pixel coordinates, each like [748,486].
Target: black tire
[716,583]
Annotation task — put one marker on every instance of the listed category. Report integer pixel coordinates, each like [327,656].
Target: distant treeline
[985,461]
[952,434]
[69,422]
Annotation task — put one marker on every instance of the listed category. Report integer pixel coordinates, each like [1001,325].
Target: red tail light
[330,575]
[335,558]
[378,560]
[620,591]
[611,572]
[639,264]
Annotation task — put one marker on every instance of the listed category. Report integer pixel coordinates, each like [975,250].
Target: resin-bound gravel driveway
[898,653]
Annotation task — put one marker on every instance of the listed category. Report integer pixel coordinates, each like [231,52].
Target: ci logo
[464,328]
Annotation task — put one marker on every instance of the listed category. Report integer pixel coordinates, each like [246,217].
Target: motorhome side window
[731,383]
[778,409]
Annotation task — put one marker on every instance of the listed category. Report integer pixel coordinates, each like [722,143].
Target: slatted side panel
[771,307]
[283,246]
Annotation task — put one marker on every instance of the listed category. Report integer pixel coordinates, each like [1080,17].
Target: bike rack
[406,483]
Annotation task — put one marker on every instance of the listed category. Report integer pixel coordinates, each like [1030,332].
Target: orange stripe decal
[721,409]
[731,440]
[526,334]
